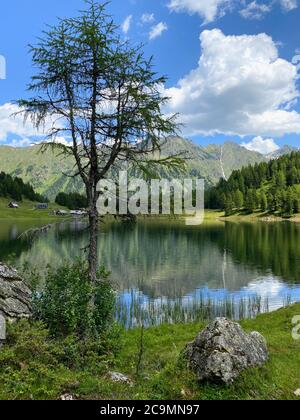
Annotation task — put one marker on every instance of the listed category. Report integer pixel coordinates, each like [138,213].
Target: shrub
[34,365]
[64,303]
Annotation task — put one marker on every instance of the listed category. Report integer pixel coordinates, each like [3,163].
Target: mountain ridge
[285,150]
[47,172]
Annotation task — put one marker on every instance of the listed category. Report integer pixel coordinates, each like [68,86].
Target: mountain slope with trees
[48,172]
[272,187]
[16,189]
[72,201]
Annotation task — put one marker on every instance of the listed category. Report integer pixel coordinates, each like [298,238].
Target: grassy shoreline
[33,366]
[253,217]
[27,211]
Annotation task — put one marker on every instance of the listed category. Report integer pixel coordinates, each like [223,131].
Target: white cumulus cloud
[241,86]
[20,143]
[158,30]
[260,145]
[289,5]
[126,25]
[14,124]
[18,132]
[207,9]
[60,140]
[255,10]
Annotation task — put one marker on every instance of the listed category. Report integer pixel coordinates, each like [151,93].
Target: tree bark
[93,245]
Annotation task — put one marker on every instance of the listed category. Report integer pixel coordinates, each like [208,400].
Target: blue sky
[236,84]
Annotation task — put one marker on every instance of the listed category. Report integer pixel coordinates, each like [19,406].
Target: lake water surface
[166,271]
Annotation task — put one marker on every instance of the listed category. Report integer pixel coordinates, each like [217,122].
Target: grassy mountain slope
[45,171]
[214,161]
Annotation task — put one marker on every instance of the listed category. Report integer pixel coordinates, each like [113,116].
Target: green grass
[34,366]
[26,211]
[212,216]
[258,216]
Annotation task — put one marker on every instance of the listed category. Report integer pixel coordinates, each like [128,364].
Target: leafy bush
[34,365]
[64,303]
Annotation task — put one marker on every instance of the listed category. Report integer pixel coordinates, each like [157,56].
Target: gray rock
[222,351]
[297,392]
[119,378]
[15,295]
[2,330]
[67,397]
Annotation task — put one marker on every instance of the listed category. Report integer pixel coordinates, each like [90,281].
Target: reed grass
[135,310]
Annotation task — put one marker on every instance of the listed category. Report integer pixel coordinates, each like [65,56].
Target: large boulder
[2,330]
[222,351]
[15,295]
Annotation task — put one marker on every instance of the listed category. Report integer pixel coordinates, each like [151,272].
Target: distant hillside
[13,188]
[272,187]
[47,171]
[44,171]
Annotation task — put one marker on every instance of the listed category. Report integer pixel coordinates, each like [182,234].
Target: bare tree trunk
[93,254]
[93,245]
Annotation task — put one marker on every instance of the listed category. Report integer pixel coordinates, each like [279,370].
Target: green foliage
[251,200]
[269,187]
[229,205]
[263,201]
[35,366]
[64,304]
[16,189]
[238,199]
[72,201]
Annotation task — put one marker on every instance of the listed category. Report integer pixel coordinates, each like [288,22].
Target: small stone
[222,351]
[297,393]
[67,397]
[119,378]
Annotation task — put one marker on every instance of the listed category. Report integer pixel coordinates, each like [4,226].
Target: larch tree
[103,95]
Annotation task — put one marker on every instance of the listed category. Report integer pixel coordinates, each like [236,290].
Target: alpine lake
[164,271]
